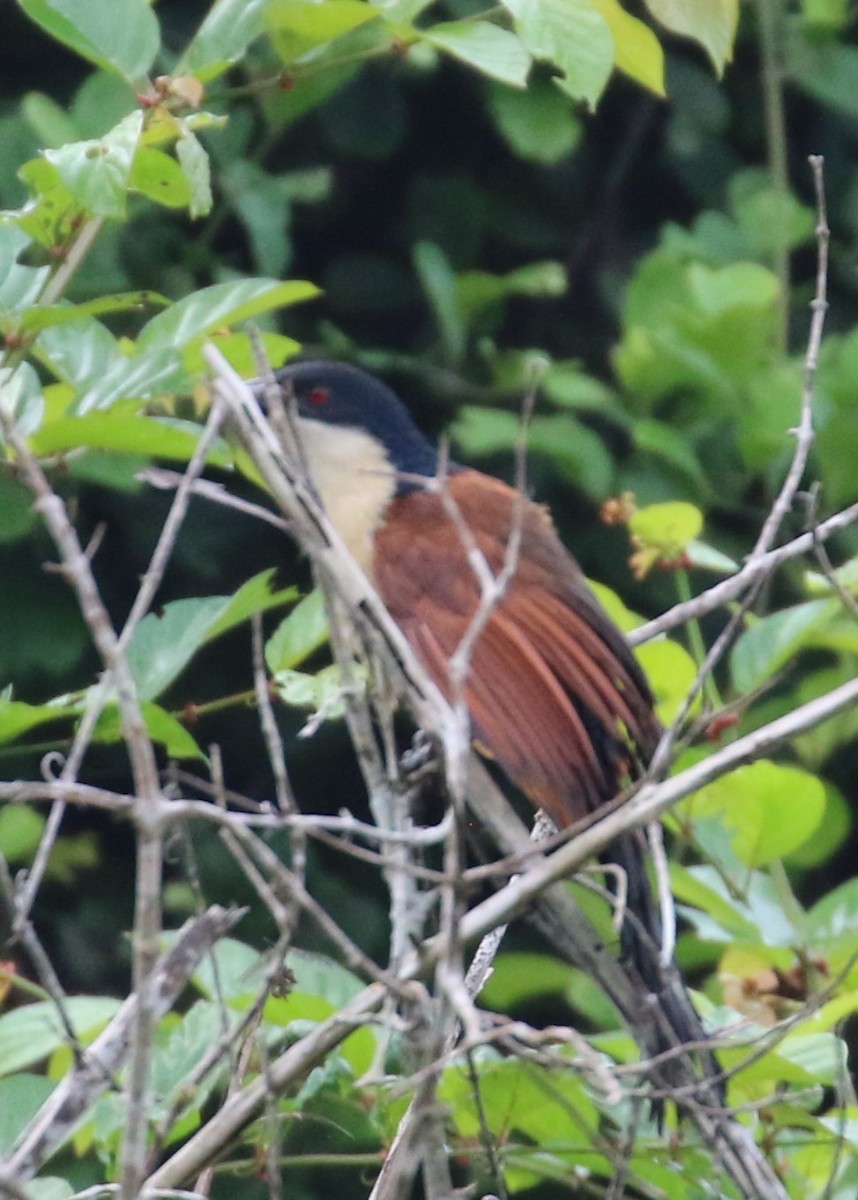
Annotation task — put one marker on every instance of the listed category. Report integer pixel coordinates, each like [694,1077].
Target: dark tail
[661,984]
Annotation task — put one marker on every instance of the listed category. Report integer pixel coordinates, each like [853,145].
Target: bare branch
[735,585]
[78,1090]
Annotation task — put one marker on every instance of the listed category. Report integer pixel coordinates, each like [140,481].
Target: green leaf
[17,515]
[257,595]
[322,692]
[75,351]
[511,1096]
[576,450]
[158,176]
[830,835]
[671,671]
[122,36]
[165,642]
[16,717]
[161,726]
[299,635]
[816,745]
[127,433]
[97,172]
[32,1033]
[178,1054]
[228,29]
[478,290]
[770,643]
[836,913]
[195,163]
[769,809]
[23,397]
[568,386]
[519,977]
[666,529]
[770,217]
[439,283]
[20,286]
[194,317]
[845,576]
[240,352]
[712,23]
[298,26]
[54,214]
[721,290]
[670,444]
[20,832]
[494,51]
[231,969]
[21,1097]
[52,124]
[44,316]
[824,69]
[702,555]
[262,203]
[538,123]
[716,914]
[573,36]
[143,375]
[638,51]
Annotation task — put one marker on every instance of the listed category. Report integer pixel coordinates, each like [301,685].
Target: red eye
[318,395]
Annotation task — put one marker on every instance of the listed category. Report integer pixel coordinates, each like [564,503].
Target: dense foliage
[466,200]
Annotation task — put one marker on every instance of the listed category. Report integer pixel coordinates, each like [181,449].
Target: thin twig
[735,585]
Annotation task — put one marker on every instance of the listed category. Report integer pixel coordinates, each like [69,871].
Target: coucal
[554,693]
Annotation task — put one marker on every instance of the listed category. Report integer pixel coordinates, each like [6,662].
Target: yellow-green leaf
[638,51]
[769,809]
[712,23]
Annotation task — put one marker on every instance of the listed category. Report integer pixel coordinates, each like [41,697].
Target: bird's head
[360,445]
[341,398]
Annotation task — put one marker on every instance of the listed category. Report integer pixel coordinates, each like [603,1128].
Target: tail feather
[641,954]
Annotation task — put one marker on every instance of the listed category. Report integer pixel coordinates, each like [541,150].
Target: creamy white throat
[354,479]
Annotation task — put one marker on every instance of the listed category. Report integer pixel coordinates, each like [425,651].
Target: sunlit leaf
[121,36]
[161,726]
[771,642]
[97,172]
[638,51]
[257,595]
[494,51]
[299,635]
[20,286]
[226,32]
[194,162]
[670,670]
[198,314]
[769,809]
[31,1033]
[127,432]
[573,36]
[164,642]
[298,26]
[20,831]
[158,176]
[21,1097]
[712,23]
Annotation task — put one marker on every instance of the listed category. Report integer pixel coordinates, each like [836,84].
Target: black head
[339,394]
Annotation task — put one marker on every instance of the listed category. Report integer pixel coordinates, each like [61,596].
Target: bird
[556,699]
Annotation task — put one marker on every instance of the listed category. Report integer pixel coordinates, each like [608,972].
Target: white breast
[354,479]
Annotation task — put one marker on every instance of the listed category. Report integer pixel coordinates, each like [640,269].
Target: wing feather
[553,690]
